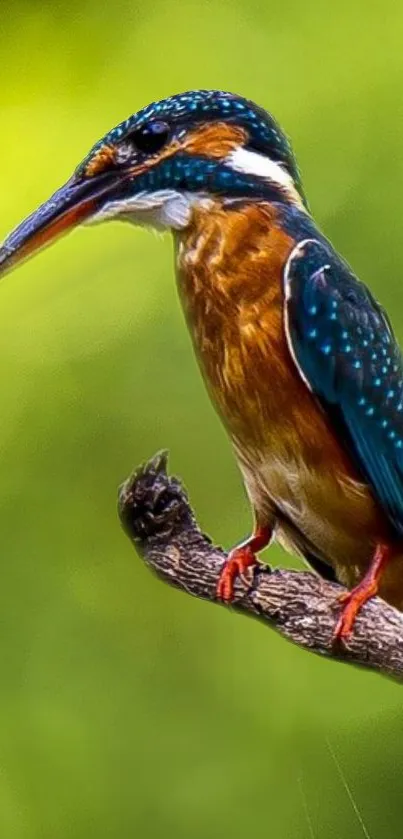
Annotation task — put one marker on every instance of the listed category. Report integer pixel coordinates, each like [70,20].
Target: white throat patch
[163,209]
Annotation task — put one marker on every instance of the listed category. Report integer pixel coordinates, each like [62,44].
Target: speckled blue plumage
[197,106]
[193,173]
[345,349]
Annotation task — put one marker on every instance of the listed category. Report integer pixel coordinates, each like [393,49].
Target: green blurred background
[126,708]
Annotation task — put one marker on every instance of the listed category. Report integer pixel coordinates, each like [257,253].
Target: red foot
[239,560]
[353,600]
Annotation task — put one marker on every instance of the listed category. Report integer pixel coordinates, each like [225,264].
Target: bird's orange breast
[230,266]
[230,270]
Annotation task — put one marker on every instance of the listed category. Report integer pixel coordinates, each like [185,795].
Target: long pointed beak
[72,204]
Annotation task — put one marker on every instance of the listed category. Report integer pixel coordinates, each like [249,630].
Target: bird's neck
[225,254]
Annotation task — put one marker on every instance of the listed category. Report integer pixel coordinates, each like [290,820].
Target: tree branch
[156,515]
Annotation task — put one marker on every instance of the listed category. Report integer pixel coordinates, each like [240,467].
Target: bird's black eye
[151,137]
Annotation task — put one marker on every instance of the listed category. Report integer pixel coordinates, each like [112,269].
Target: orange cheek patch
[104,158]
[216,140]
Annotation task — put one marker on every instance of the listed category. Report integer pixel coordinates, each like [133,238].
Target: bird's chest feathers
[230,269]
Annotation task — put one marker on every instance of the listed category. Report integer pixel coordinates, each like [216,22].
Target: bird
[299,359]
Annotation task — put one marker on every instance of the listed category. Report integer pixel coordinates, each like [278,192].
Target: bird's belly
[316,510]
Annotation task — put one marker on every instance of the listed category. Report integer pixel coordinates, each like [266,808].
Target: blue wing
[345,350]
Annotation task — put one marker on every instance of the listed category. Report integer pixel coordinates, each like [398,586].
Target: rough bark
[156,515]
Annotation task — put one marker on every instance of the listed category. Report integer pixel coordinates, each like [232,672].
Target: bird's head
[154,167]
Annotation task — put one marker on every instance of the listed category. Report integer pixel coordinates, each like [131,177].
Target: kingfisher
[299,359]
